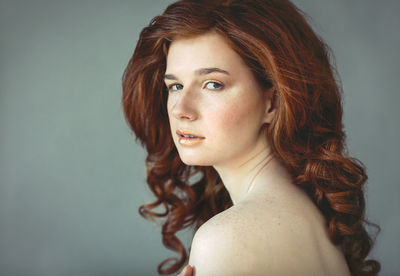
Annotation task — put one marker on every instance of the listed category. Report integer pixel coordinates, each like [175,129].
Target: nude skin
[187,271]
[213,94]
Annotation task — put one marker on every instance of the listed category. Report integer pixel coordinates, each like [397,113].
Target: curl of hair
[276,42]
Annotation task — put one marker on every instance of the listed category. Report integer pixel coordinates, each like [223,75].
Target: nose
[185,106]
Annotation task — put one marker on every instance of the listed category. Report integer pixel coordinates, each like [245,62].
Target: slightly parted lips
[181,133]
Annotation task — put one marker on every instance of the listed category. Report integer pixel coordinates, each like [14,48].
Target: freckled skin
[229,118]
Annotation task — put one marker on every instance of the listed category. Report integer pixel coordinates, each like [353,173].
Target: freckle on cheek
[232,117]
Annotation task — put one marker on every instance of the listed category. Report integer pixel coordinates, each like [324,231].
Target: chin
[193,161]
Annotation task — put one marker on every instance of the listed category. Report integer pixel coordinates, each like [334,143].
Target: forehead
[206,50]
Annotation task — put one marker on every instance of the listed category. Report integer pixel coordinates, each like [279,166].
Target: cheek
[232,119]
[169,110]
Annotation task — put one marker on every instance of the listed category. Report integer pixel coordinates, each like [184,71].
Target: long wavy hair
[279,46]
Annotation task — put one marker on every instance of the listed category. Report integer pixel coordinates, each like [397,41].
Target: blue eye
[212,85]
[175,87]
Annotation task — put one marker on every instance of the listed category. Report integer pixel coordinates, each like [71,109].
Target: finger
[182,273]
[187,271]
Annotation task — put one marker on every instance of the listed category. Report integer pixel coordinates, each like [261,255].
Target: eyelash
[221,86]
[172,85]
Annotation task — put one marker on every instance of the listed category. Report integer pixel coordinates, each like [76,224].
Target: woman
[237,105]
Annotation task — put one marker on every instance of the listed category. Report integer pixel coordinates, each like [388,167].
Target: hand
[187,271]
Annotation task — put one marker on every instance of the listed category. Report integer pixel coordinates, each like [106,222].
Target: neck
[239,176]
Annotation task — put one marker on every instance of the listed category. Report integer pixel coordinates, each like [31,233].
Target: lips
[189,139]
[187,134]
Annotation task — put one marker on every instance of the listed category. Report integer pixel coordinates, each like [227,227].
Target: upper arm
[228,250]
[217,250]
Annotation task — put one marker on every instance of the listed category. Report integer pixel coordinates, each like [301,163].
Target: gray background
[71,176]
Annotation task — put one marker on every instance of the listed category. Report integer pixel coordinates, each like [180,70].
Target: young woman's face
[213,95]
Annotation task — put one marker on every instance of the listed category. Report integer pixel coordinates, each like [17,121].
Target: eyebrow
[199,72]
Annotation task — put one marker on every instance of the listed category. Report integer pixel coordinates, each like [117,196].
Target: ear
[271,105]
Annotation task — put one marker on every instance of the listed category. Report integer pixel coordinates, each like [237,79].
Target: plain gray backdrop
[72,176]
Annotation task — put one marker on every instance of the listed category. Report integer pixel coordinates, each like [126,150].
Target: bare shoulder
[247,240]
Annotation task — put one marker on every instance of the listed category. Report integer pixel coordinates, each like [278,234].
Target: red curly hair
[279,46]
